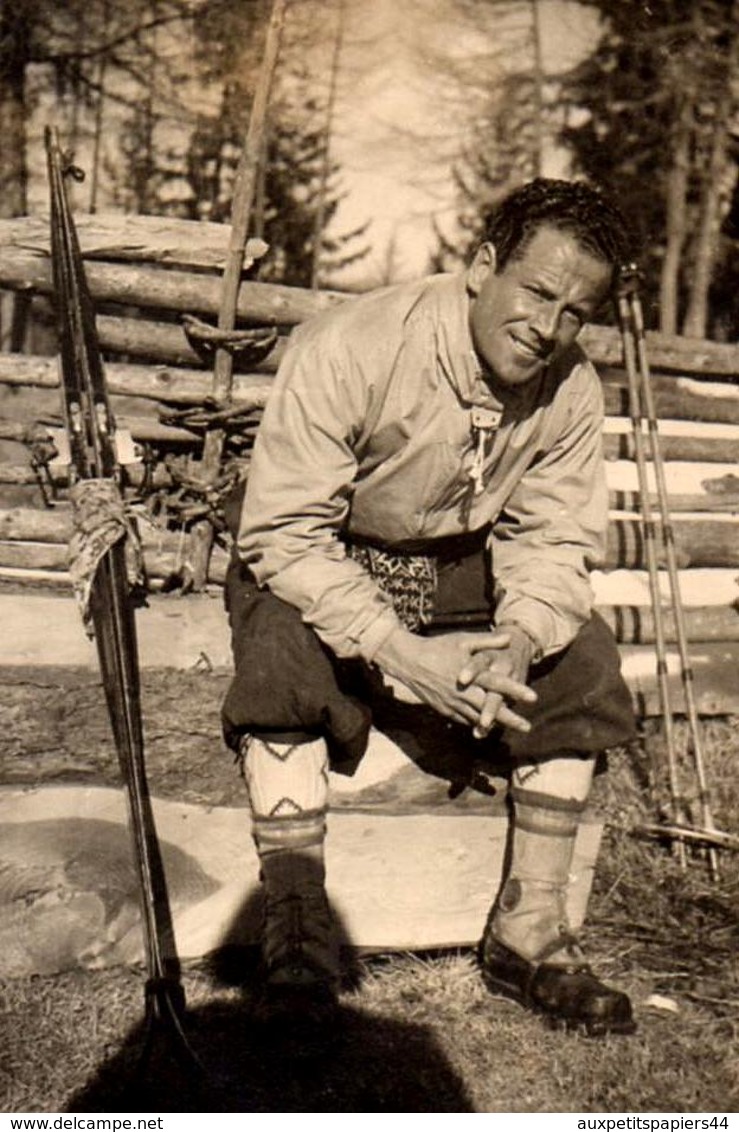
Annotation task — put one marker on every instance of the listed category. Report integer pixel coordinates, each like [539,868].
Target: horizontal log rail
[703,443]
[17,475]
[634,624]
[23,475]
[166,342]
[261,304]
[164,559]
[168,384]
[721,450]
[700,541]
[141,429]
[669,352]
[203,246]
[676,398]
[45,564]
[133,239]
[704,448]
[163,269]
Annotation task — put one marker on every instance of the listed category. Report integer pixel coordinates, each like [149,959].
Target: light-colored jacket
[369,431]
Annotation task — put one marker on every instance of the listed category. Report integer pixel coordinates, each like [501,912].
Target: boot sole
[590,1029]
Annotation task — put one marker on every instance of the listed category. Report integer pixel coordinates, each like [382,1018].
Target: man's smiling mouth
[529,351]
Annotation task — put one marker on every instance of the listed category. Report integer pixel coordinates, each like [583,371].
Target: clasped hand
[468,677]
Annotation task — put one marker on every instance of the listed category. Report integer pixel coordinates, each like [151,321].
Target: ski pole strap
[99,521]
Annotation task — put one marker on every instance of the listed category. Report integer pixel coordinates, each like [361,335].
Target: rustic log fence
[147,274]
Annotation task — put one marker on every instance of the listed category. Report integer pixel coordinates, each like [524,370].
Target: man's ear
[483,264]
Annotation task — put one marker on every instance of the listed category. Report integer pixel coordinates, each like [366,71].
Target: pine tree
[296,182]
[655,122]
[76,53]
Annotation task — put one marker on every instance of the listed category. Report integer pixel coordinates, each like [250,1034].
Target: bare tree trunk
[717,187]
[706,243]
[538,76]
[15,33]
[320,217]
[99,112]
[145,191]
[14,56]
[676,220]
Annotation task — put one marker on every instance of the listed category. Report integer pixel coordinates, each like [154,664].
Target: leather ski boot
[528,951]
[288,787]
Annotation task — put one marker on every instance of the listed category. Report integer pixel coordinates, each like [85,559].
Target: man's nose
[546,322]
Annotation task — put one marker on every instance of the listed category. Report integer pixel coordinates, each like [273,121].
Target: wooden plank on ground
[395,882]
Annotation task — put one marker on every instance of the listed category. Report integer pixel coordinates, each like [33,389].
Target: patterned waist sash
[423,591]
[408,580]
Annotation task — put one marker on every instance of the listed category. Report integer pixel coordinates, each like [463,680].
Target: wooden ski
[95,458]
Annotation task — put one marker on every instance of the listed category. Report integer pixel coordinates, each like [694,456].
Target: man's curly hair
[570,206]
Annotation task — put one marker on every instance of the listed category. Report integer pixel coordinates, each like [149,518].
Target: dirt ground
[54,729]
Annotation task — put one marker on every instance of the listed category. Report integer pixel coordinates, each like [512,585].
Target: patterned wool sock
[287,785]
[530,914]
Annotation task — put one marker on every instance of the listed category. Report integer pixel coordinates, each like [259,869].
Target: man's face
[536,306]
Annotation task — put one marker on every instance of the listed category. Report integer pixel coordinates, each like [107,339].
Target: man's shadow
[362,1062]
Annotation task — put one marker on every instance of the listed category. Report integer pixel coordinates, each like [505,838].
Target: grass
[419,1033]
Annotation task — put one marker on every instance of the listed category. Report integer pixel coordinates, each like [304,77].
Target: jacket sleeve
[299,493]
[552,531]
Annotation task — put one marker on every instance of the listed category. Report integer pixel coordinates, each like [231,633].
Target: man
[414,436]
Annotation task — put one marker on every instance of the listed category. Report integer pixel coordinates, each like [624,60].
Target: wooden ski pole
[241,208]
[668,537]
[627,282]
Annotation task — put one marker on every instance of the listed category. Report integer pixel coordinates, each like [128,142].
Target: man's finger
[508,718]
[496,639]
[497,682]
[505,716]
[466,706]
[488,716]
[476,661]
[467,714]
